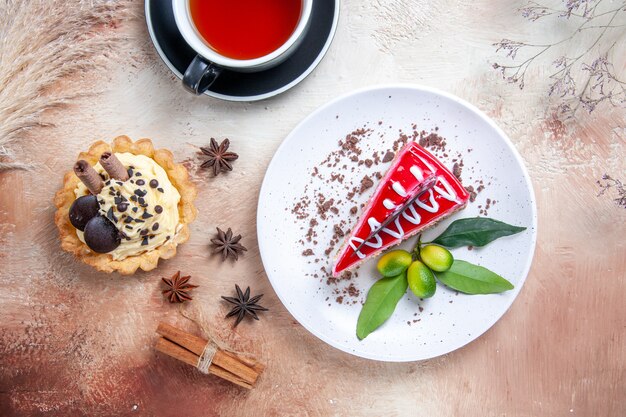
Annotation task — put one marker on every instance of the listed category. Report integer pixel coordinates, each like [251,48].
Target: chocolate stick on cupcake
[113,166]
[88,176]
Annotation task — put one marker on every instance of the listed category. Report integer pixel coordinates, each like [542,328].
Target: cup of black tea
[240,35]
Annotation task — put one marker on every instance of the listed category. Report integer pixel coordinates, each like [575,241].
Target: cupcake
[125,206]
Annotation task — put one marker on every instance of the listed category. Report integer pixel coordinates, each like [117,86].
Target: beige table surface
[75,342]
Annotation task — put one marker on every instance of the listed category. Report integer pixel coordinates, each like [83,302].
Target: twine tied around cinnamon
[206,357]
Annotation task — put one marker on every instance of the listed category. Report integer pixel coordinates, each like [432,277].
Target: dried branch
[600,82]
[616,184]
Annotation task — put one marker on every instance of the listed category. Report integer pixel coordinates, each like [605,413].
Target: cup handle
[200,74]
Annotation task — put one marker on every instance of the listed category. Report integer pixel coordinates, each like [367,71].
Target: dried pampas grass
[41,43]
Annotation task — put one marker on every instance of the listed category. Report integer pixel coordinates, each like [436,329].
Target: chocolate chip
[107,183]
[140,193]
[128,219]
[103,177]
[133,198]
[154,183]
[129,227]
[137,174]
[158,209]
[110,215]
[130,171]
[122,207]
[144,232]
[139,221]
[135,209]
[144,241]
[146,215]
[160,189]
[155,226]
[141,201]
[141,182]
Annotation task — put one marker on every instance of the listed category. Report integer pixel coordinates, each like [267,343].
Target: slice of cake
[411,167]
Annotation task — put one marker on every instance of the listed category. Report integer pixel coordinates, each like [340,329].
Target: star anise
[228,244]
[218,156]
[244,305]
[177,288]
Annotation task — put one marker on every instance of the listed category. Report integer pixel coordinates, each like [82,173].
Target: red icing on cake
[410,168]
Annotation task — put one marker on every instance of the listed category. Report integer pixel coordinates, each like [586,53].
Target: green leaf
[381,301]
[476,231]
[473,279]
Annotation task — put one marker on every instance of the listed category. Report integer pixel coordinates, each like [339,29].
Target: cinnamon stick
[172,349]
[256,365]
[221,358]
[88,176]
[113,166]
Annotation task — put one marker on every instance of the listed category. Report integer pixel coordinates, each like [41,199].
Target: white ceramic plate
[449,320]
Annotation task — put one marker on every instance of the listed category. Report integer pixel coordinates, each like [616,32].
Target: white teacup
[207,65]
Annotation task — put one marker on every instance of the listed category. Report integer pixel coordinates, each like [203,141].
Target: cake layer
[410,168]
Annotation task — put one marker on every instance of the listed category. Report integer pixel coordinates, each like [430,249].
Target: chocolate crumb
[353,291]
[308,252]
[456,170]
[388,157]
[472,193]
[366,183]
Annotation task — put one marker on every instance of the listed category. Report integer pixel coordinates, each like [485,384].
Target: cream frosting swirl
[144,208]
